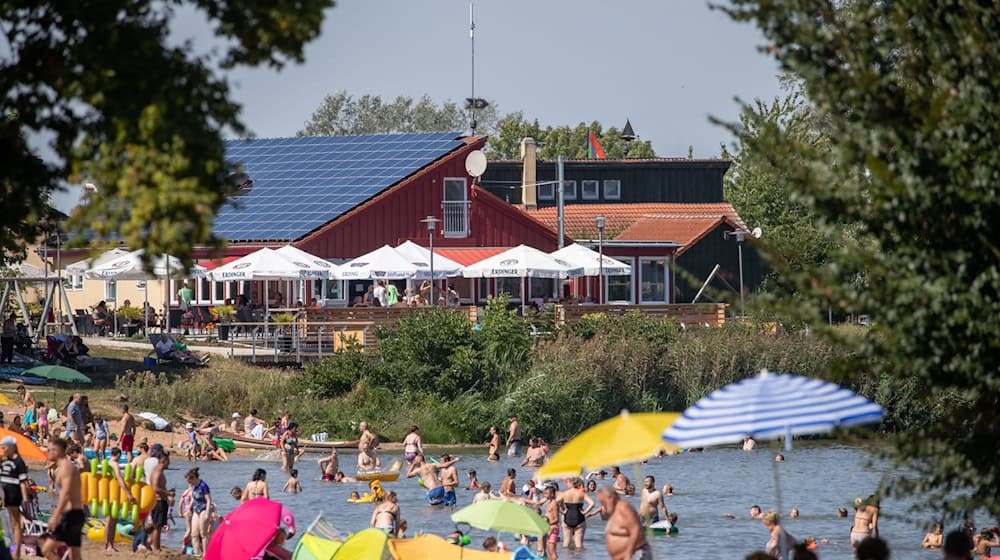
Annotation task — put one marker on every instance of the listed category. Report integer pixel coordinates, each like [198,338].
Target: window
[546,191]
[74,281]
[569,190]
[509,286]
[332,290]
[619,288]
[219,294]
[653,280]
[612,189]
[110,290]
[484,289]
[456,208]
[590,190]
[541,288]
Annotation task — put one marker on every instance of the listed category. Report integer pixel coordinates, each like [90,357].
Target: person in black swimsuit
[576,505]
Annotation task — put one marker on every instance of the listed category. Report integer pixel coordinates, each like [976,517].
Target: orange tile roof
[466,256]
[684,230]
[579,218]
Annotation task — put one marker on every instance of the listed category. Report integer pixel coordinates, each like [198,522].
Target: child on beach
[292,485]
[101,437]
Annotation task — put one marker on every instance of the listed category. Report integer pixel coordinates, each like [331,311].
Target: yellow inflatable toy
[102,492]
[374,496]
[96,533]
[381,476]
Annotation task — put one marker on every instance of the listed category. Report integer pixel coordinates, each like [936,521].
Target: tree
[129,112]
[343,114]
[762,193]
[569,142]
[909,91]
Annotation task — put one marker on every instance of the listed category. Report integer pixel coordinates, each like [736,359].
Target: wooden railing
[298,341]
[375,315]
[690,314]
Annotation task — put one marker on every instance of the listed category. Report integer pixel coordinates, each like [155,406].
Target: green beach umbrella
[59,373]
[503,517]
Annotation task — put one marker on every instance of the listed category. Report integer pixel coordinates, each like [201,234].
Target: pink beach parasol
[247,530]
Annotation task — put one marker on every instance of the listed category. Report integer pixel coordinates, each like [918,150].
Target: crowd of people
[386,294]
[630,513]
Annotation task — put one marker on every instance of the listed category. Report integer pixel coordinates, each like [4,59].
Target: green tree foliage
[763,195]
[126,110]
[569,142]
[909,91]
[343,114]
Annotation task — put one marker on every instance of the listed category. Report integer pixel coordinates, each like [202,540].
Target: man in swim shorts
[66,522]
[623,535]
[127,432]
[428,473]
[651,502]
[552,504]
[513,437]
[449,480]
[329,465]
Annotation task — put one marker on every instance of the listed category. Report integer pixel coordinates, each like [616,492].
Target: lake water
[817,479]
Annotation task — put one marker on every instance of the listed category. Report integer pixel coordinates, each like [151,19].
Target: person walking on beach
[412,445]
[329,465]
[158,516]
[74,419]
[623,535]
[67,519]
[127,430]
[201,508]
[14,480]
[386,514]
[111,522]
[513,437]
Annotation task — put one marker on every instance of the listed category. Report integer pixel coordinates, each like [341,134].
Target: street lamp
[599,221]
[740,235]
[431,221]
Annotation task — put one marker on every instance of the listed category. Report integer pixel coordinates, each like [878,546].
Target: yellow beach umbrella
[433,547]
[626,438]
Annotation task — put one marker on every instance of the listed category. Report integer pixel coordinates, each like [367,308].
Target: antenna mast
[472,42]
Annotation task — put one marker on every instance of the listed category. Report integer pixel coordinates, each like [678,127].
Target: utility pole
[560,209]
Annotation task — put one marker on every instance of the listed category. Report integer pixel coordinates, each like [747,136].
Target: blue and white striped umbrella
[769,406]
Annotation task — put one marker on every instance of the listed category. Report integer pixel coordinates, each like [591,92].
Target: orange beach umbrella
[25,447]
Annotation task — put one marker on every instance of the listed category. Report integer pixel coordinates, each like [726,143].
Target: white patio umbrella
[522,262]
[295,254]
[129,266]
[268,264]
[421,256]
[384,263]
[81,267]
[590,260]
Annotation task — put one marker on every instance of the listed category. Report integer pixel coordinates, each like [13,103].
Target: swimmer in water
[473,481]
[329,465]
[934,539]
[292,485]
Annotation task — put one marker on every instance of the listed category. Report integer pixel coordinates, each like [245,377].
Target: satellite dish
[475,163]
[757,232]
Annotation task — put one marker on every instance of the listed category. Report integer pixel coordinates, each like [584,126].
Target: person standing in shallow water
[623,535]
[412,445]
[513,437]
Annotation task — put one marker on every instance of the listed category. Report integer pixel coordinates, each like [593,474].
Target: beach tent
[421,256]
[312,547]
[367,544]
[384,263]
[129,266]
[433,547]
[590,260]
[522,262]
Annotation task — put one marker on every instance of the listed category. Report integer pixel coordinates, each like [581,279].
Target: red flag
[596,151]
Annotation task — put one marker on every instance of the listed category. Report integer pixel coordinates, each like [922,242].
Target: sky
[665,64]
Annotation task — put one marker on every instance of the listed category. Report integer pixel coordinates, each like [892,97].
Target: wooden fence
[690,314]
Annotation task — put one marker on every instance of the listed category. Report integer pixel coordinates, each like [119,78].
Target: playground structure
[54,291]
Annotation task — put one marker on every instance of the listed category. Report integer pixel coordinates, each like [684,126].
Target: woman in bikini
[412,445]
[576,504]
[257,487]
[864,522]
[290,447]
[386,514]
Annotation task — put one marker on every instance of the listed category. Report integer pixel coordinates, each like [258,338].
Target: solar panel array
[300,184]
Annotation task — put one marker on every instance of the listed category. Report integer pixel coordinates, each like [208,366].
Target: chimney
[529,191]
